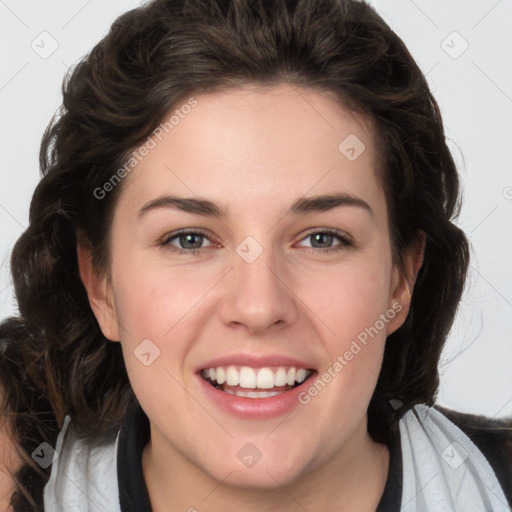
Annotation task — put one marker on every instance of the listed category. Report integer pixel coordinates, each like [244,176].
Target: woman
[185,377]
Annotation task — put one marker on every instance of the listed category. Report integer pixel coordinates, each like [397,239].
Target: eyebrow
[302,205]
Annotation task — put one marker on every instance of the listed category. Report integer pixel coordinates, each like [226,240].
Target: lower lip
[255,408]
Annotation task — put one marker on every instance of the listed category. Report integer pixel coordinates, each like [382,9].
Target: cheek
[151,299]
[349,298]
[155,309]
[353,307]
[164,305]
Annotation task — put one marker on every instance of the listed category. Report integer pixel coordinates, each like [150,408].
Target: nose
[257,296]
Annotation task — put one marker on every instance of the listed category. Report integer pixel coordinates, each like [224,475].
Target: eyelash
[165,243]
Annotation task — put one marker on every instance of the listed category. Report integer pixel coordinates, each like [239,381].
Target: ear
[99,291]
[402,286]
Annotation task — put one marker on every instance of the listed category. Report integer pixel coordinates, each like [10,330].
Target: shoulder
[493,437]
[82,471]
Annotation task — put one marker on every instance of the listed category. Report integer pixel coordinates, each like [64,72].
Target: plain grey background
[465,49]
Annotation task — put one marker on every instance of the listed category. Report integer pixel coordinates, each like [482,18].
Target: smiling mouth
[255,382]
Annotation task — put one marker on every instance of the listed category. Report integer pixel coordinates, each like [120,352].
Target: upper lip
[254,361]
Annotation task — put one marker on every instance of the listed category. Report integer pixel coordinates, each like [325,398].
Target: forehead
[253,143]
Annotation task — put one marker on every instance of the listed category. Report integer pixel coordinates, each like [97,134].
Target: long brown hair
[117,95]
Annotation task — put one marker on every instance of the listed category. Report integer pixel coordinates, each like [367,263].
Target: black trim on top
[391,500]
[492,437]
[135,434]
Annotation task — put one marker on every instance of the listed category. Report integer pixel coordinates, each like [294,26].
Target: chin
[267,472]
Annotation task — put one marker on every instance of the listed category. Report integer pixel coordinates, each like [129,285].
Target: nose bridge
[260,297]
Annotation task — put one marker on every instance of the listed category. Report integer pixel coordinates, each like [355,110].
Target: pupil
[322,235]
[184,240]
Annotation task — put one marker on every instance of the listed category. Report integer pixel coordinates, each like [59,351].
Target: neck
[353,479]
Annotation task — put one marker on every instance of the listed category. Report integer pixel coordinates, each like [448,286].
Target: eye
[325,238]
[191,241]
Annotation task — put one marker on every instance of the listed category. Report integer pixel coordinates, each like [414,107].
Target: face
[268,293]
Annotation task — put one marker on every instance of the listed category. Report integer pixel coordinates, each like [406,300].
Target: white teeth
[231,376]
[265,379]
[254,394]
[252,378]
[301,375]
[221,375]
[280,377]
[290,378]
[247,378]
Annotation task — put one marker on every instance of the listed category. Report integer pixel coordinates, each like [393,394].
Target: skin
[255,151]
